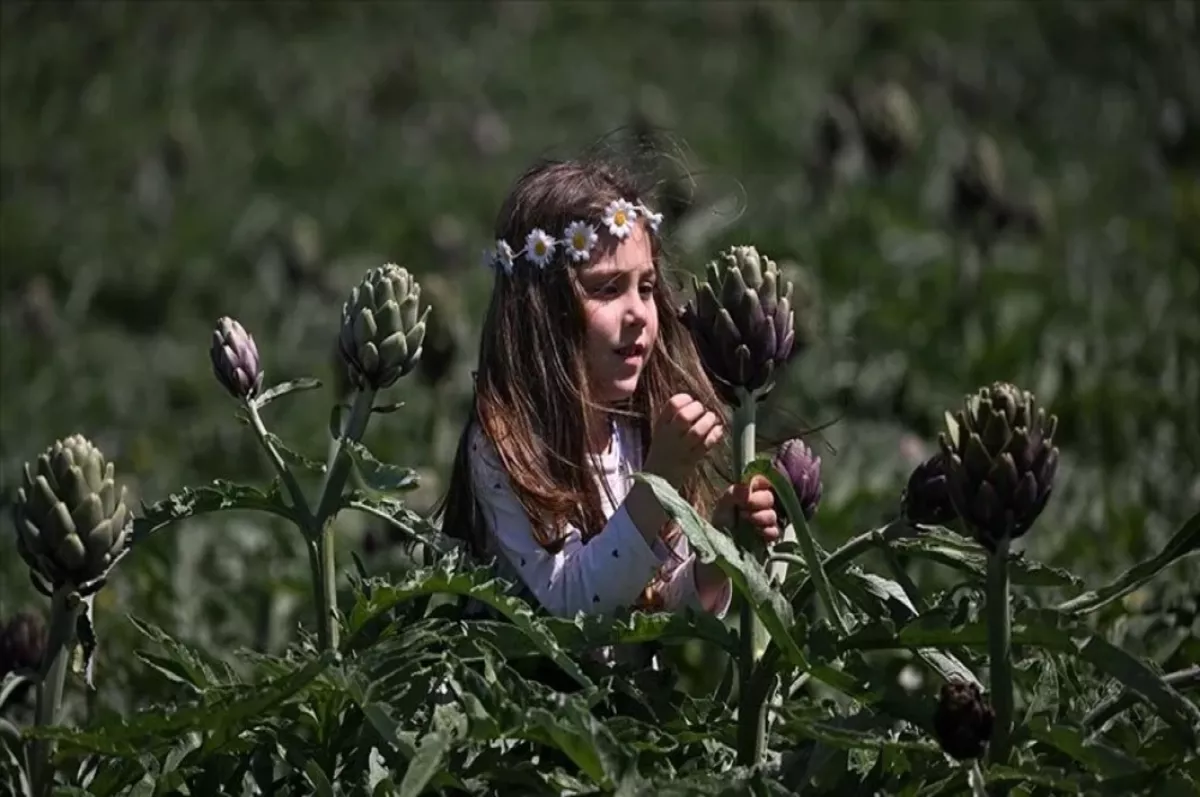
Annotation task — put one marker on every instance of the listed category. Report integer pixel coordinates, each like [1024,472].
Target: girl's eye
[647,288]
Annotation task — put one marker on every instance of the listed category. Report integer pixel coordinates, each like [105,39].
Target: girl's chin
[619,390]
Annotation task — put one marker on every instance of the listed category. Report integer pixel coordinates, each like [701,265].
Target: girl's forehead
[632,255]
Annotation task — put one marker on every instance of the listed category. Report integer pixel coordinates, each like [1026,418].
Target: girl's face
[622,318]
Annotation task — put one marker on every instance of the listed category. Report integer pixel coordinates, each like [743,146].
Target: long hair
[532,399]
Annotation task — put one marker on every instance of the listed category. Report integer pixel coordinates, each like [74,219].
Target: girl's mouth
[632,351]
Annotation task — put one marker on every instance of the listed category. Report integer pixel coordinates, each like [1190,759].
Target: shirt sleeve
[680,591]
[607,574]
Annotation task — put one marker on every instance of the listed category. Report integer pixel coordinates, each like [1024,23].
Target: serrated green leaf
[477,583]
[284,388]
[401,517]
[430,757]
[748,577]
[969,556]
[1092,754]
[1051,630]
[1183,543]
[380,476]
[154,730]
[219,496]
[804,537]
[184,663]
[293,457]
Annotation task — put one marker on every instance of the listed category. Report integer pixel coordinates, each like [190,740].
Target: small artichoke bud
[796,461]
[382,327]
[70,514]
[891,125]
[1000,462]
[926,498]
[235,361]
[963,720]
[22,643]
[978,182]
[742,322]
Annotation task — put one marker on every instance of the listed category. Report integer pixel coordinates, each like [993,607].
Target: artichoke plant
[963,720]
[382,329]
[926,498]
[891,125]
[1000,462]
[22,643]
[796,461]
[235,360]
[742,322]
[70,516]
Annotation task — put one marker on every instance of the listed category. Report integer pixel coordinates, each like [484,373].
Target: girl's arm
[607,574]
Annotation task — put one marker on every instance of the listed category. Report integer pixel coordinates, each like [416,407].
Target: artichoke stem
[337,471]
[1000,652]
[65,608]
[285,473]
[752,727]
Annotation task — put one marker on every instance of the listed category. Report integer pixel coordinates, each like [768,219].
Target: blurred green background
[165,164]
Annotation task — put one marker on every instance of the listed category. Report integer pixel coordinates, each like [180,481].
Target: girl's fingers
[703,430]
[764,518]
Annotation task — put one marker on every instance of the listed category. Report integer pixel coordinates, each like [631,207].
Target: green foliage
[167,165]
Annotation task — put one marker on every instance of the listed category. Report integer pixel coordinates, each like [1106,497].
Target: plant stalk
[758,690]
[752,725]
[337,470]
[285,473]
[999,619]
[65,608]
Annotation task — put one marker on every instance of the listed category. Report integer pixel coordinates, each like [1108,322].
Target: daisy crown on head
[578,239]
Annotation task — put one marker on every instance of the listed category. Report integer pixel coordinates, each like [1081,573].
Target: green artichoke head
[742,322]
[70,515]
[1000,462]
[382,327]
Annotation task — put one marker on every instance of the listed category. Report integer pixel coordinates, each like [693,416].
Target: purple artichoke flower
[235,359]
[963,720]
[796,461]
[926,498]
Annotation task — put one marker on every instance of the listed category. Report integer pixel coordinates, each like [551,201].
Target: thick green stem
[285,473]
[65,608]
[337,470]
[752,727]
[1000,652]
[760,683]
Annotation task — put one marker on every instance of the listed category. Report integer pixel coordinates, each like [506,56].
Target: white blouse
[607,573]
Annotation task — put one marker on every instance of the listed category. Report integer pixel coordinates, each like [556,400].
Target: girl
[585,376]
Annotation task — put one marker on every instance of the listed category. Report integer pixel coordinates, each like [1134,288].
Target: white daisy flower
[619,216]
[504,256]
[581,237]
[655,219]
[539,247]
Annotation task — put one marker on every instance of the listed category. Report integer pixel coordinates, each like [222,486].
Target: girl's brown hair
[531,393]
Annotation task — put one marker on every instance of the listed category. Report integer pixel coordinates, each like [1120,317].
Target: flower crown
[579,238]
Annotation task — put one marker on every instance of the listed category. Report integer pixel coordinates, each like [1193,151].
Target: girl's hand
[683,434]
[756,501]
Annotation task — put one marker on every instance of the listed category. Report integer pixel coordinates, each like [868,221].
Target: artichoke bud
[891,126]
[926,497]
[22,643]
[1000,462]
[72,530]
[235,360]
[382,327]
[802,467]
[963,720]
[740,321]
